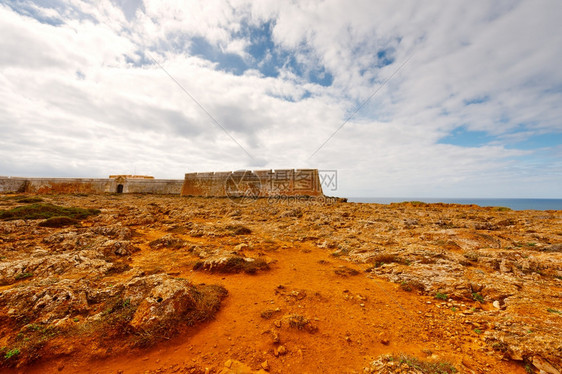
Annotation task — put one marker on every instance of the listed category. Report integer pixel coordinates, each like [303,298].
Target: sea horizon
[512,203]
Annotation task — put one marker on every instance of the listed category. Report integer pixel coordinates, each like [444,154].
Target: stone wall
[258,183]
[155,186]
[89,185]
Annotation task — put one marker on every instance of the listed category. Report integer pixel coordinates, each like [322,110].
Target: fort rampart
[258,183]
[114,184]
[244,183]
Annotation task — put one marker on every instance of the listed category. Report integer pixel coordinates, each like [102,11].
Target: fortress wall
[54,185]
[9,184]
[89,185]
[69,185]
[204,184]
[263,183]
[155,186]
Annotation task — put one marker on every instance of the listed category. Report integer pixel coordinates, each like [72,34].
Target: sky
[401,98]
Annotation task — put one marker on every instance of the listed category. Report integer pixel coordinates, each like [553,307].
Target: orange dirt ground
[353,318]
[353,315]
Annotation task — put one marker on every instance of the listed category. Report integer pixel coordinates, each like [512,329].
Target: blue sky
[455,99]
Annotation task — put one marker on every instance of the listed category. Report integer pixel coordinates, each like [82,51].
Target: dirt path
[351,320]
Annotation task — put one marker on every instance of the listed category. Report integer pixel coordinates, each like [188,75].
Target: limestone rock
[237,367]
[167,241]
[544,366]
[163,300]
[45,304]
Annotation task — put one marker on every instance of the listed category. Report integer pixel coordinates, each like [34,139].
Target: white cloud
[84,97]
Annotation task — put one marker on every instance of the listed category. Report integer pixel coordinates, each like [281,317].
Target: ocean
[515,204]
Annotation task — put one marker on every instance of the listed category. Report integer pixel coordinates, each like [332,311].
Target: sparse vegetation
[471,256]
[23,276]
[550,310]
[297,321]
[22,199]
[345,271]
[29,341]
[424,367]
[499,346]
[412,285]
[12,353]
[502,209]
[28,200]
[384,258]
[415,203]
[58,222]
[238,229]
[167,241]
[44,211]
[116,318]
[341,252]
[208,299]
[477,297]
[441,296]
[268,313]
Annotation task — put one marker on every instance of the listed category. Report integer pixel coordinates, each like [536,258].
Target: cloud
[474,112]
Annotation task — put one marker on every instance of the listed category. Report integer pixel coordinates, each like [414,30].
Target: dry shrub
[407,363]
[208,298]
[167,241]
[296,213]
[207,302]
[297,321]
[384,258]
[29,342]
[471,256]
[118,268]
[268,313]
[553,248]
[345,271]
[28,200]
[412,285]
[238,229]
[58,222]
[44,211]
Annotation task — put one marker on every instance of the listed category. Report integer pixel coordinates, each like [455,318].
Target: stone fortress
[259,183]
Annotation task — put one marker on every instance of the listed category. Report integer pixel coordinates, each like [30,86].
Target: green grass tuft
[45,211]
[502,209]
[23,276]
[477,297]
[12,353]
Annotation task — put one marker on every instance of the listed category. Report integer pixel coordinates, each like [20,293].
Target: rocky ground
[168,284]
